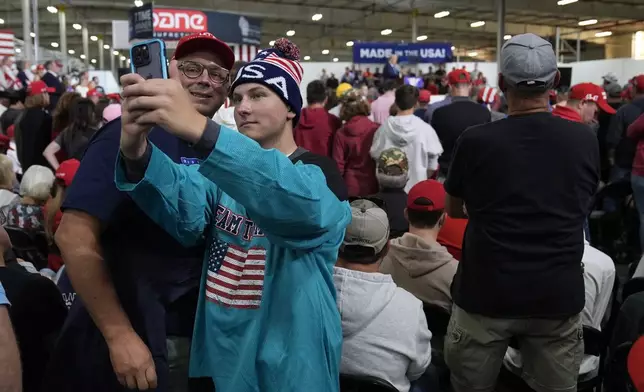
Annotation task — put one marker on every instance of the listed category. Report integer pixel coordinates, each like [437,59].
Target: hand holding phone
[148,59]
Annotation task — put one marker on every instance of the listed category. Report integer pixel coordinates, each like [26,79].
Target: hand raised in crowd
[162,102]
[133,134]
[132,361]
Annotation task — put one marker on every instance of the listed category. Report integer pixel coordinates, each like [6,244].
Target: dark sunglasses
[193,70]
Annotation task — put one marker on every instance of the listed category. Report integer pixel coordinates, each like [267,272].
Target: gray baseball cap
[369,226]
[528,61]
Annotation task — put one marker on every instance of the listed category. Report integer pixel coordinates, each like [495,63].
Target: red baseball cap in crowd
[635,364]
[40,67]
[205,42]
[67,170]
[638,82]
[39,87]
[591,92]
[428,195]
[94,93]
[459,76]
[424,96]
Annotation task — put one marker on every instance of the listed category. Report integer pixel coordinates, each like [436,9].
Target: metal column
[101,51]
[557,42]
[86,46]
[578,46]
[26,29]
[500,33]
[120,63]
[62,27]
[34,9]
[113,65]
[414,25]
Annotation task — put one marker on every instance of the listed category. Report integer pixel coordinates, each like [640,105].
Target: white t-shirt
[599,278]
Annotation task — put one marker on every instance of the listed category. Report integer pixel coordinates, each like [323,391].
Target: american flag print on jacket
[235,275]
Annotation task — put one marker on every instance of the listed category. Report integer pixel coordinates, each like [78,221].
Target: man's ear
[501,83]
[290,114]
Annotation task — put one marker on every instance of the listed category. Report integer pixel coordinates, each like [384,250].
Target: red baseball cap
[39,87]
[459,76]
[635,364]
[40,67]
[428,195]
[205,42]
[5,141]
[424,95]
[638,82]
[591,92]
[94,93]
[67,170]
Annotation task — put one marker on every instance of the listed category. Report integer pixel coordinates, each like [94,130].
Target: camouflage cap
[393,157]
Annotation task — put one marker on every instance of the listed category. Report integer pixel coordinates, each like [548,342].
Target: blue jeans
[637,183]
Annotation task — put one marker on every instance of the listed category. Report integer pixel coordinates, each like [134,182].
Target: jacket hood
[359,125]
[401,128]
[361,297]
[418,256]
[312,117]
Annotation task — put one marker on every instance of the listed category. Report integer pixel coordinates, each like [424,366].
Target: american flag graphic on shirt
[235,275]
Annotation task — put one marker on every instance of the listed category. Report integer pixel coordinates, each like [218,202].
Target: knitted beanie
[277,68]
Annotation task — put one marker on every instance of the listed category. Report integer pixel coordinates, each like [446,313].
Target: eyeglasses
[193,70]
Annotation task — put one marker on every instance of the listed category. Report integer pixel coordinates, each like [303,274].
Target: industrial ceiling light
[325,51]
[453,47]
[71,51]
[52,9]
[441,14]
[54,44]
[349,43]
[421,38]
[473,54]
[93,61]
[335,59]
[507,37]
[316,17]
[386,32]
[290,33]
[122,58]
[307,58]
[1,21]
[603,34]
[76,26]
[32,34]
[138,3]
[93,38]
[587,22]
[82,56]
[477,24]
[271,43]
[106,47]
[115,53]
[18,50]
[566,2]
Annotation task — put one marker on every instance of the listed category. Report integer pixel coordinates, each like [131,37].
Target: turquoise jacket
[267,318]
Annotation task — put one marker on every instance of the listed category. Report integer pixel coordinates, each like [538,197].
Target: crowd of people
[213,230]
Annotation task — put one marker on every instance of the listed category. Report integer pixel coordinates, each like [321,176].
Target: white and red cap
[591,92]
[39,87]
[207,42]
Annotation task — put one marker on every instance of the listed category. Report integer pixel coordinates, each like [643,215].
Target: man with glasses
[138,285]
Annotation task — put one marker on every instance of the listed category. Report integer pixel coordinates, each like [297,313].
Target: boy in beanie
[392,175]
[267,318]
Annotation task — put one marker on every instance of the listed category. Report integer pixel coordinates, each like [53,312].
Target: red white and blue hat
[279,69]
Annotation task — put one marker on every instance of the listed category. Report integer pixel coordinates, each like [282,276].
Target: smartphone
[148,59]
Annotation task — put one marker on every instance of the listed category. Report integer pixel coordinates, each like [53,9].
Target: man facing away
[415,137]
[138,285]
[374,310]
[416,261]
[316,128]
[267,318]
[521,273]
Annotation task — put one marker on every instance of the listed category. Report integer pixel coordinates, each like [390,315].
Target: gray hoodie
[425,269]
[384,328]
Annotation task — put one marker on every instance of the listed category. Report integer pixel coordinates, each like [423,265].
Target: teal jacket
[267,318]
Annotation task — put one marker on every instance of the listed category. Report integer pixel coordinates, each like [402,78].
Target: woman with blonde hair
[35,187]
[33,128]
[352,144]
[7,181]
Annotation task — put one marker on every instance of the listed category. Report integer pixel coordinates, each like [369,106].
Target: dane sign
[379,52]
[171,24]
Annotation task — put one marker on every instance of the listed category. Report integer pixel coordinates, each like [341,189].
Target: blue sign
[140,22]
[412,53]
